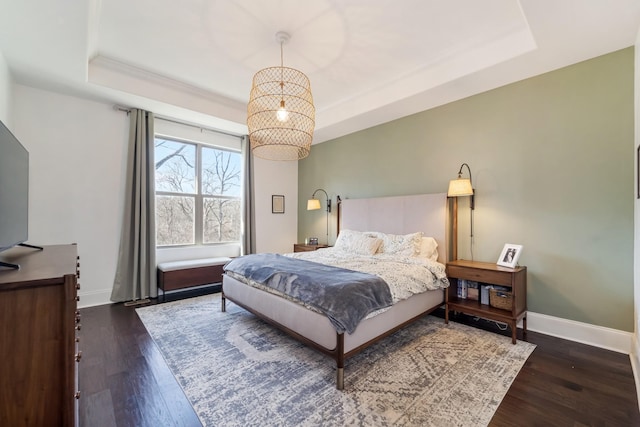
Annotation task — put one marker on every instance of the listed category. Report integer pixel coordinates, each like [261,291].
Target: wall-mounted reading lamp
[461,187]
[314,204]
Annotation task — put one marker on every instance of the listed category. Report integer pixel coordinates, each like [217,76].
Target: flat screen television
[14,190]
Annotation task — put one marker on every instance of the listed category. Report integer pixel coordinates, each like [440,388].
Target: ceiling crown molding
[111,73]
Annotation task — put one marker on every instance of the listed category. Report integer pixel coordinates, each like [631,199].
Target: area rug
[237,370]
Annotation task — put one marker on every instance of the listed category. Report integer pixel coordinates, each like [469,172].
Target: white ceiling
[369,61]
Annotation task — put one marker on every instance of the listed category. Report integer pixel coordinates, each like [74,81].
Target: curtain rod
[170,120]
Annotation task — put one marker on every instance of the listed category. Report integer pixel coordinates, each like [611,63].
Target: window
[198,193]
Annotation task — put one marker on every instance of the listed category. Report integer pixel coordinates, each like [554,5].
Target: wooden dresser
[38,345]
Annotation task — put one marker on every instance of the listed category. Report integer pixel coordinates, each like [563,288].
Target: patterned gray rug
[239,371]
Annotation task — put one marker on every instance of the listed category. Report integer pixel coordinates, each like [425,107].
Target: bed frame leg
[340,361]
[223,306]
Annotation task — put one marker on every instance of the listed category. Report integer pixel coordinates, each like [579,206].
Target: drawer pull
[78,356]
[77,395]
[78,327]
[77,297]
[78,285]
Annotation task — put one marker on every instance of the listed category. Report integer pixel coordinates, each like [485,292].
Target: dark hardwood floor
[124,380]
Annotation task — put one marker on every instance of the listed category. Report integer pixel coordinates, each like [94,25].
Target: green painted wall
[552,159]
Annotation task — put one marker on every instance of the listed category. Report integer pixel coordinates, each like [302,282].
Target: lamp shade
[460,187]
[280,112]
[313,204]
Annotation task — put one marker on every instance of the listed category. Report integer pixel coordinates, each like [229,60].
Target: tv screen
[14,190]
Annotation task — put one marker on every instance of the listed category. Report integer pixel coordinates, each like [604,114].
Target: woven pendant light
[280,113]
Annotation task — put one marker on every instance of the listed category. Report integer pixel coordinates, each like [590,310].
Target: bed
[401,215]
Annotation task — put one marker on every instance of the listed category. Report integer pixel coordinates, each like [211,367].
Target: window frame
[198,197]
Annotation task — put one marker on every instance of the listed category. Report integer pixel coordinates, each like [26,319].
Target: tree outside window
[198,193]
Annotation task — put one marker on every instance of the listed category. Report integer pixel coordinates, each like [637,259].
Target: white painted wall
[78,155]
[5,92]
[77,152]
[276,232]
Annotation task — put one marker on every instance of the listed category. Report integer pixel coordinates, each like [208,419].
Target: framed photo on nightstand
[510,255]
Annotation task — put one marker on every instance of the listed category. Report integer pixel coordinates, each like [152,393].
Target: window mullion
[198,226]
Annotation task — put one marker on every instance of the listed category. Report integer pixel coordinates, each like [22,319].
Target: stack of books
[468,289]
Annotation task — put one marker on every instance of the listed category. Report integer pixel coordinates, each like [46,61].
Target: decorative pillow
[365,245]
[429,248]
[402,245]
[357,242]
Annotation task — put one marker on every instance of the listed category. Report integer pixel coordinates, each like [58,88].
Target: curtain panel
[248,243]
[135,277]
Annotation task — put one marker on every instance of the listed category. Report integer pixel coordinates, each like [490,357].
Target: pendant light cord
[281,54]
[281,70]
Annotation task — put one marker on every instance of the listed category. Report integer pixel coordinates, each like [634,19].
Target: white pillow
[357,242]
[402,245]
[344,239]
[429,248]
[366,245]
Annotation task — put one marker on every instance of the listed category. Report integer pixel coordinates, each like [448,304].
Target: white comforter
[405,276]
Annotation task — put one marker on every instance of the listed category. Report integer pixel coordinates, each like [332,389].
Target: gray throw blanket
[344,296]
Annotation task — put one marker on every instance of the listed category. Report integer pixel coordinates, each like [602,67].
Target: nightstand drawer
[299,247]
[480,275]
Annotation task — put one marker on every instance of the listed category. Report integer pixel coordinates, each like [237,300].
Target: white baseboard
[635,364]
[91,299]
[598,336]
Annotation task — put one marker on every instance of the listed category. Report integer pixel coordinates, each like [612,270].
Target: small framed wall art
[510,255]
[277,204]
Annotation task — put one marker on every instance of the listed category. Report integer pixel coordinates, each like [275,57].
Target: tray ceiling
[369,61]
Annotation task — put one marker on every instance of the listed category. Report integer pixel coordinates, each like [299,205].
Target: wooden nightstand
[485,273]
[301,247]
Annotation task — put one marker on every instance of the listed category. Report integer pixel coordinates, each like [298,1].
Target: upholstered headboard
[428,213]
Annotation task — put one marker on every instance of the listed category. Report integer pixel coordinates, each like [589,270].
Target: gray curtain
[136,273]
[248,219]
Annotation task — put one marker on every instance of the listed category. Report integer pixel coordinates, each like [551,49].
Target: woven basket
[500,299]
